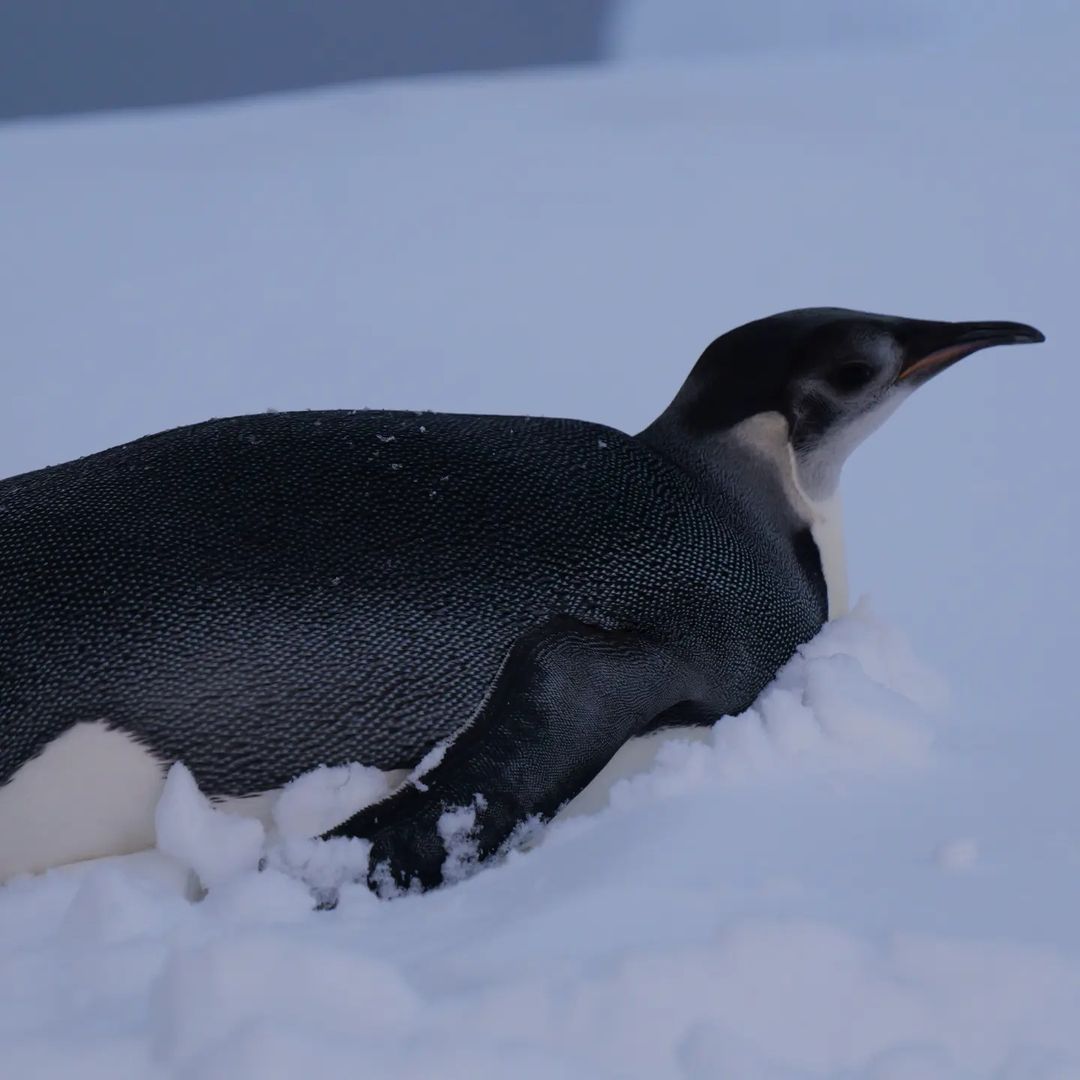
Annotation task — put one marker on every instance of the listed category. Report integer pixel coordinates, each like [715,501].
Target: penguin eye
[851,376]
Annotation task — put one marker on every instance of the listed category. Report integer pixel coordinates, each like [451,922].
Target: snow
[853,699]
[957,855]
[429,761]
[456,827]
[864,876]
[325,797]
[215,845]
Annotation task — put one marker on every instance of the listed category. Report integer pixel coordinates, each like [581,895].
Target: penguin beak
[944,343]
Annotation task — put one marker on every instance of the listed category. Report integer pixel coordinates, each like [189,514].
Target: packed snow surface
[647,940]
[865,875]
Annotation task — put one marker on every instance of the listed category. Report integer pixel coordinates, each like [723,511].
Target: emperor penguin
[510,598]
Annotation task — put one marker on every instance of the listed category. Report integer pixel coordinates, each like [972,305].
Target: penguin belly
[93,792]
[90,792]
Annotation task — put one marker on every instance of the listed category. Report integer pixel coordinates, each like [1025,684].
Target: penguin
[504,599]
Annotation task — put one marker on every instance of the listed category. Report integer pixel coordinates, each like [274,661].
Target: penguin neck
[753,463]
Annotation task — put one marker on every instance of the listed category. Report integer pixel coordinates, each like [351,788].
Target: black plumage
[260,595]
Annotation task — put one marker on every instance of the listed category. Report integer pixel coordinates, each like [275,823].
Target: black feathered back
[264,594]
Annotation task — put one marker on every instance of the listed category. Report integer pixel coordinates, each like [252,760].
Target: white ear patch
[767,434]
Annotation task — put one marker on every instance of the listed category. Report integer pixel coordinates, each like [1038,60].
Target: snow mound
[216,845]
[855,699]
[325,797]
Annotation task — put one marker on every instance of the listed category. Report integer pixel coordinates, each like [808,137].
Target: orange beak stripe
[941,356]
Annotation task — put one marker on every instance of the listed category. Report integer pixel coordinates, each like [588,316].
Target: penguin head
[830,375]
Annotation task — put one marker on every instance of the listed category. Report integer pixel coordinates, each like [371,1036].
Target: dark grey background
[68,56]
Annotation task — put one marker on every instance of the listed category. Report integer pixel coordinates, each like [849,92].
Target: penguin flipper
[567,697]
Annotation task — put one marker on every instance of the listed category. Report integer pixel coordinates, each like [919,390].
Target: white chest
[827,529]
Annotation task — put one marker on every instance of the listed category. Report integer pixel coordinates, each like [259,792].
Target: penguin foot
[535,744]
[407,856]
[420,840]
